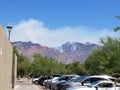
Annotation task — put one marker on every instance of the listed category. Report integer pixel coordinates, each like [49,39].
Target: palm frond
[118,17]
[116,29]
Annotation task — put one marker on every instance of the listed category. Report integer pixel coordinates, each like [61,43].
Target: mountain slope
[66,53]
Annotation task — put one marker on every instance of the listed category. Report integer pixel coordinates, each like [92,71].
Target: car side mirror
[82,83]
[96,87]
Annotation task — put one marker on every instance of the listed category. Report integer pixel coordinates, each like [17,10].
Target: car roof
[82,78]
[105,77]
[105,81]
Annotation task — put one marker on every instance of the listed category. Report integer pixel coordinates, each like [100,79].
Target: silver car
[98,85]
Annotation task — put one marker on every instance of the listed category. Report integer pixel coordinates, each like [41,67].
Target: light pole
[9,27]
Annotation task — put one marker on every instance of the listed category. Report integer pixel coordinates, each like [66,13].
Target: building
[8,63]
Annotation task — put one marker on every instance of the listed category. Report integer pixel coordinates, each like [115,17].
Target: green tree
[36,64]
[45,66]
[23,66]
[76,68]
[106,59]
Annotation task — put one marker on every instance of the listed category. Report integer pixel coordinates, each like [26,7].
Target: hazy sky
[54,22]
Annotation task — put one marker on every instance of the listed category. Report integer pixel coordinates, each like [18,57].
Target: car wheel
[36,82]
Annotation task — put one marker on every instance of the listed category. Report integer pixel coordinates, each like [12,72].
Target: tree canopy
[106,59]
[45,66]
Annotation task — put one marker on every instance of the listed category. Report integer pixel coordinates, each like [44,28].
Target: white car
[47,83]
[98,85]
[35,80]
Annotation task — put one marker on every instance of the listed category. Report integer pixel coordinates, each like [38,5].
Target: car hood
[78,88]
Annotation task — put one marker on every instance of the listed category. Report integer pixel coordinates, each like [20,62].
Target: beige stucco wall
[7,63]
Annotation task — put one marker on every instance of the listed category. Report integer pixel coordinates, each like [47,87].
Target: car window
[64,78]
[80,79]
[92,80]
[105,85]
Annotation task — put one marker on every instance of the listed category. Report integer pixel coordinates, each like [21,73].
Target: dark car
[47,77]
[41,79]
[54,85]
[47,83]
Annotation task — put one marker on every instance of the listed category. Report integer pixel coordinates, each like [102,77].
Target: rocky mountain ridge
[66,53]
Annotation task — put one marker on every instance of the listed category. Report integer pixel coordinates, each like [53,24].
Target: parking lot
[66,82]
[30,84]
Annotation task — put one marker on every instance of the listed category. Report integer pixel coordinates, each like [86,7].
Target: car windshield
[53,79]
[74,79]
[93,84]
[78,79]
[66,78]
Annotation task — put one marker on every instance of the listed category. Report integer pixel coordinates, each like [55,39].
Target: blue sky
[54,22]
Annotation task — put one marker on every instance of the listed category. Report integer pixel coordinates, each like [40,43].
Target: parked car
[35,79]
[42,79]
[84,80]
[47,83]
[98,85]
[54,85]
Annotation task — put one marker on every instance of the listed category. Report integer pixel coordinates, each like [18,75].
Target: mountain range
[67,53]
